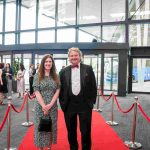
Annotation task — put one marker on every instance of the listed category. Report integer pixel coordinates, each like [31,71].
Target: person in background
[77,95]
[46,88]
[3,83]
[37,67]
[32,72]
[21,80]
[9,75]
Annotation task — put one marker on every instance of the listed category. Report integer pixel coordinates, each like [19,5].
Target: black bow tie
[75,66]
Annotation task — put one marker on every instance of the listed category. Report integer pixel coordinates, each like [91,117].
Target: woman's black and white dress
[47,88]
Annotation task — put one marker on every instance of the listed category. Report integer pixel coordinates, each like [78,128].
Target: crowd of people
[7,76]
[74,86]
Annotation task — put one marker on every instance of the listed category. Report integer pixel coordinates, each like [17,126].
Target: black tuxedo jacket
[88,85]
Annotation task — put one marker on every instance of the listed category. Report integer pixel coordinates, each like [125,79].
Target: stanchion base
[99,110]
[27,124]
[10,148]
[132,145]
[112,123]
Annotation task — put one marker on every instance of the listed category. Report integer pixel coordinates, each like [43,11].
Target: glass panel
[99,71]
[1,16]
[114,34]
[68,35]
[113,10]
[93,61]
[27,37]
[9,39]
[38,58]
[16,56]
[60,63]
[27,62]
[88,34]
[48,34]
[139,9]
[66,12]
[28,14]
[139,35]
[46,16]
[6,59]
[87,15]
[0,38]
[110,73]
[141,75]
[10,22]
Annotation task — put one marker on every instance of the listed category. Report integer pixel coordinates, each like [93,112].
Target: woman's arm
[39,98]
[54,99]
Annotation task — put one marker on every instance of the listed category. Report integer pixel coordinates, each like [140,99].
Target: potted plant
[15,67]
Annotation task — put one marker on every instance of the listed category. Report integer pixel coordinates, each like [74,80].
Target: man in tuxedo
[77,96]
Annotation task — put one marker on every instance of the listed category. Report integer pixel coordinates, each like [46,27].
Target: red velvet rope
[143,113]
[31,97]
[21,108]
[106,99]
[5,117]
[120,109]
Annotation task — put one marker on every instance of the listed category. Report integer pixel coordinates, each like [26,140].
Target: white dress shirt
[75,80]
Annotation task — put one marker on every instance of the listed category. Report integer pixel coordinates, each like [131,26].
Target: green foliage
[16,64]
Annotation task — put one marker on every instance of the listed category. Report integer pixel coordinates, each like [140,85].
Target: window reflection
[66,35]
[46,16]
[139,9]
[141,75]
[1,17]
[139,35]
[9,39]
[0,38]
[91,13]
[46,36]
[87,34]
[28,14]
[114,34]
[27,37]
[66,12]
[10,22]
[113,10]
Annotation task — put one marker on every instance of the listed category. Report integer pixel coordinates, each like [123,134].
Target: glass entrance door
[110,73]
[95,62]
[141,75]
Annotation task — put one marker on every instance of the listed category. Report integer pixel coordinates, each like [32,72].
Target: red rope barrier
[21,108]
[5,117]
[120,109]
[106,99]
[143,113]
[31,97]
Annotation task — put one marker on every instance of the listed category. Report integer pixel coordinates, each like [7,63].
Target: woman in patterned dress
[46,88]
[21,80]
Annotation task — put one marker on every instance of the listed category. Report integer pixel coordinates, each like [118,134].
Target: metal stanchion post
[97,107]
[98,104]
[132,144]
[112,122]
[9,127]
[27,123]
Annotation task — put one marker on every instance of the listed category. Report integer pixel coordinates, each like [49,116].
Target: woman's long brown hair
[53,74]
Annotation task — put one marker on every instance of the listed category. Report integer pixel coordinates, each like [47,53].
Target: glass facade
[102,20]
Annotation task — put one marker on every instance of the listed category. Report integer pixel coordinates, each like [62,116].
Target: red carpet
[103,136]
